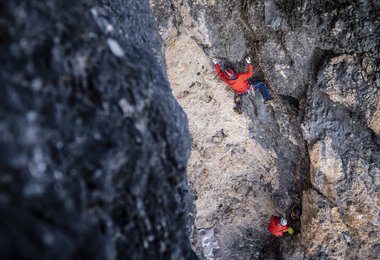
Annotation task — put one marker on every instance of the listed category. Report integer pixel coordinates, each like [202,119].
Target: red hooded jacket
[240,84]
[275,228]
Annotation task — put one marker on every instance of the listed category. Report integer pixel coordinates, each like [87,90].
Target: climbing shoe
[237,110]
[237,99]
[268,101]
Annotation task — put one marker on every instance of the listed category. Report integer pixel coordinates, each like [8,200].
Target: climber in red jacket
[240,83]
[277,226]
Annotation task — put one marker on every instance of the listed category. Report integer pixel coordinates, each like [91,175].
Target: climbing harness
[251,90]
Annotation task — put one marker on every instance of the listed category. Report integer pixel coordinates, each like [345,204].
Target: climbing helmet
[283,222]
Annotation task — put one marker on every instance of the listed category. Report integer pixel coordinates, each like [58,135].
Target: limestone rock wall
[344,156]
[320,137]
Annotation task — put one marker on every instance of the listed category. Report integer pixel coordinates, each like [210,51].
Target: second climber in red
[277,226]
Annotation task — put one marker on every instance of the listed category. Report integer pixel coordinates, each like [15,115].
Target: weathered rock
[242,169]
[345,168]
[323,59]
[322,230]
[93,145]
[327,234]
[351,81]
[225,182]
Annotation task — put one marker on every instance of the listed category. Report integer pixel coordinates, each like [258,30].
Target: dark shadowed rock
[93,145]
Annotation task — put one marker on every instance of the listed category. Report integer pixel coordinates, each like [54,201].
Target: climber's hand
[214,60]
[248,60]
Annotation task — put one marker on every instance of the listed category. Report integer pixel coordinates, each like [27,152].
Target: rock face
[318,142]
[345,163]
[93,145]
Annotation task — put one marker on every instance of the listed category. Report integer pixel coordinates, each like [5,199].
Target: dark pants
[258,84]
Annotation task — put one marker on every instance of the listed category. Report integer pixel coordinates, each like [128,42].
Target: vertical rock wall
[323,60]
[93,146]
[243,168]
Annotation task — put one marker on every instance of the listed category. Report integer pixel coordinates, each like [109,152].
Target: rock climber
[278,225]
[241,83]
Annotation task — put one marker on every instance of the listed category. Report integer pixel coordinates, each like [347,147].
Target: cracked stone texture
[345,167]
[321,134]
[93,145]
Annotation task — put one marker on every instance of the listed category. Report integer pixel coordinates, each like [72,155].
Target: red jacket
[240,84]
[275,228]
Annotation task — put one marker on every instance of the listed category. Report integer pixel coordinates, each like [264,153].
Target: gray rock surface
[320,137]
[93,145]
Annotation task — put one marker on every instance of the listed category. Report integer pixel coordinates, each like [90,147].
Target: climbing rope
[210,54]
[296,201]
[294,213]
[270,84]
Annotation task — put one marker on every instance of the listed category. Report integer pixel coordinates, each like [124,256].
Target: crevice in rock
[334,204]
[299,42]
[292,103]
